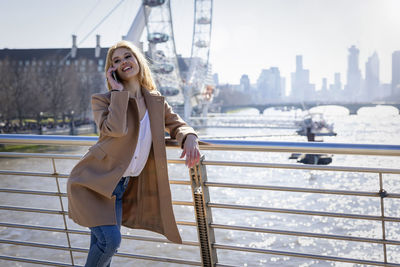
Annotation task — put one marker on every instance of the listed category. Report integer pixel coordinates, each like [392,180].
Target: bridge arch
[331,108]
[392,109]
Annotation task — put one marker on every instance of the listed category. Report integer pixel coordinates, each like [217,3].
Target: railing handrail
[212,144]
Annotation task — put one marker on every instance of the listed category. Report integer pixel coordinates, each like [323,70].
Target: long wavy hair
[145,78]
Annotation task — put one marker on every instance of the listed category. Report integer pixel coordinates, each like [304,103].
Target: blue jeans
[105,239]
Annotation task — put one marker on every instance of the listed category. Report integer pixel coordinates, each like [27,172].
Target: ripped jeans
[106,239]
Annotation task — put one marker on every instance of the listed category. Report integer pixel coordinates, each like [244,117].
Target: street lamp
[72,125]
[39,121]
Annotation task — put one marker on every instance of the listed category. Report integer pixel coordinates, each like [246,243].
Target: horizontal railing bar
[305,234]
[126,255]
[50,263]
[300,167]
[80,232]
[32,244]
[182,203]
[58,156]
[40,174]
[176,161]
[31,192]
[44,193]
[48,139]
[240,164]
[303,255]
[13,208]
[39,228]
[306,147]
[299,189]
[61,175]
[240,207]
[186,223]
[232,145]
[305,212]
[179,182]
[38,155]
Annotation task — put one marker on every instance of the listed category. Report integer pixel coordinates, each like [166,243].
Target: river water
[379,125]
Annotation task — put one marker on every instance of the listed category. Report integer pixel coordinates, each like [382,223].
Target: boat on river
[317,124]
[313,159]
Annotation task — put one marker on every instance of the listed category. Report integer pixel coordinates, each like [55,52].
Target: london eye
[190,89]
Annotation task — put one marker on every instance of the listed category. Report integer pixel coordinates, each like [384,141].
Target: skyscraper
[324,86]
[335,89]
[396,73]
[372,83]
[353,86]
[302,89]
[269,84]
[244,83]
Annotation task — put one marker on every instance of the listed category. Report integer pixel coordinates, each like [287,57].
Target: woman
[123,178]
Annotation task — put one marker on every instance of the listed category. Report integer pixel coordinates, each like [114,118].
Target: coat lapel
[155,107]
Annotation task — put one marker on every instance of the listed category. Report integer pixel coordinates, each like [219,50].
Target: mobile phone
[114,74]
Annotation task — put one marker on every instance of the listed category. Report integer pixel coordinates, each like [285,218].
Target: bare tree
[15,89]
[57,84]
[47,85]
[89,82]
[5,93]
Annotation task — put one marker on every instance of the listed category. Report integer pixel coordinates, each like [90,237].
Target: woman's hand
[115,85]
[191,150]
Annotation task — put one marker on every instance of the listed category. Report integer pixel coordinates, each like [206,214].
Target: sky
[247,35]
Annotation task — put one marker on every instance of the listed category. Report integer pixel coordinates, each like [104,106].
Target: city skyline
[267,33]
[270,85]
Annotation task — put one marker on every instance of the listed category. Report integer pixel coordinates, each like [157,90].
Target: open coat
[147,199]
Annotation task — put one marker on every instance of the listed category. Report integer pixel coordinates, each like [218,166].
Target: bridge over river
[352,107]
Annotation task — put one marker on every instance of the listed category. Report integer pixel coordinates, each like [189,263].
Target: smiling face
[125,53]
[126,64]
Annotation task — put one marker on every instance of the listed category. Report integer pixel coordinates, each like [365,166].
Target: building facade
[353,86]
[302,89]
[53,80]
[269,85]
[372,82]
[396,74]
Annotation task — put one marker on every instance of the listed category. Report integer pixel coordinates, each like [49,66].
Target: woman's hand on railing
[191,150]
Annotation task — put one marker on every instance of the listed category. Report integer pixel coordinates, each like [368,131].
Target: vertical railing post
[201,198]
[63,211]
[383,194]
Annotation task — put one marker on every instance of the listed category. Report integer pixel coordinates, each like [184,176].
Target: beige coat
[147,200]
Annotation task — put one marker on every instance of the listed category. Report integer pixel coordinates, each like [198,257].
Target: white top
[142,150]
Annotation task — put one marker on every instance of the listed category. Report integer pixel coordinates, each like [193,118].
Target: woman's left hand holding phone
[115,85]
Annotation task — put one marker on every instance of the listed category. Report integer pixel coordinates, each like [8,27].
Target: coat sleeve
[176,127]
[111,116]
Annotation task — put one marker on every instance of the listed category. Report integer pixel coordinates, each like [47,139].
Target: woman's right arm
[110,117]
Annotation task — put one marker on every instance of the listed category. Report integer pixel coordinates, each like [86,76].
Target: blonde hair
[145,78]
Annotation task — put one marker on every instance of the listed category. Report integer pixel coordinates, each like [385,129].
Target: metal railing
[203,206]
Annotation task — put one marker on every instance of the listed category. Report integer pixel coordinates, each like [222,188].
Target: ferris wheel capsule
[204,20]
[163,68]
[153,3]
[201,43]
[157,37]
